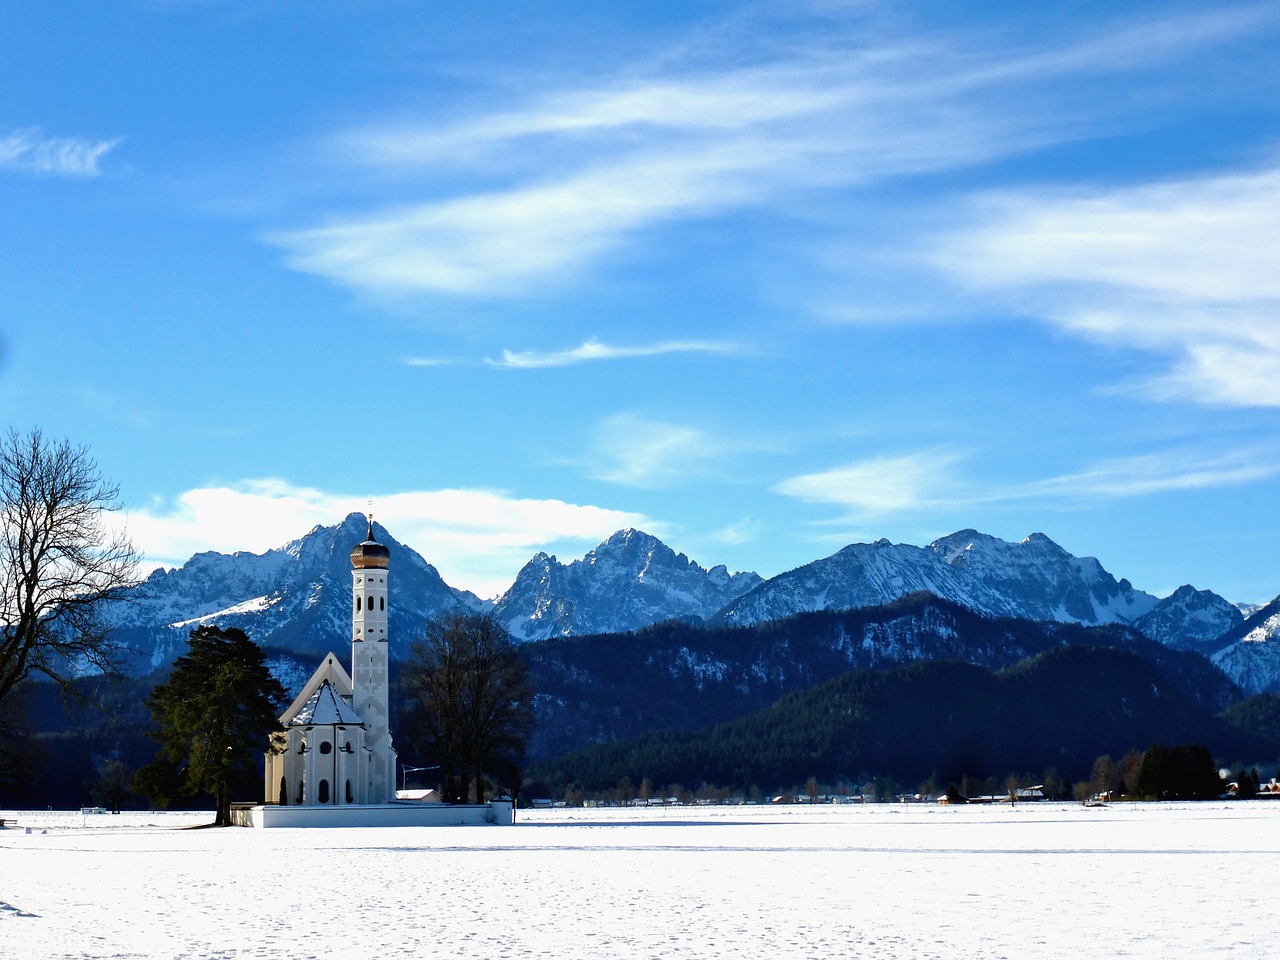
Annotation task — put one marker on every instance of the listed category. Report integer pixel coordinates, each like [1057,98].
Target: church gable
[331,672]
[326,707]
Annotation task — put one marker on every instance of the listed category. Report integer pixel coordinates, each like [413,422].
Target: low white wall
[498,812]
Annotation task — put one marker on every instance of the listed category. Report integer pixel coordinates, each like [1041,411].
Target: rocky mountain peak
[630,580]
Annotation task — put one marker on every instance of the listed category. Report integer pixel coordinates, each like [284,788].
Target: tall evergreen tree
[215,714]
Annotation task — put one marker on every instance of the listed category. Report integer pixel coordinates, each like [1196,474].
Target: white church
[332,763]
[336,744]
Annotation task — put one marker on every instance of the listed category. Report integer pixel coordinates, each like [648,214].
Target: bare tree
[468,702]
[59,561]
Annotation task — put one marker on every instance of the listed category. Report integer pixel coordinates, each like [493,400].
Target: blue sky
[762,279]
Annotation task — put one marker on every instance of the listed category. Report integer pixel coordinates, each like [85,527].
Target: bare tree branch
[59,562]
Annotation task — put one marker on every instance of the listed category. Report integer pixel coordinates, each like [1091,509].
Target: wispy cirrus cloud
[593,350]
[478,539]
[879,486]
[1188,269]
[537,193]
[638,451]
[1167,471]
[931,481]
[32,152]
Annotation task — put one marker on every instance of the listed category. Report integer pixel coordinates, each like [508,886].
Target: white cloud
[1189,269]
[879,486]
[636,451]
[593,350]
[736,534]
[929,481]
[430,362]
[30,151]
[507,242]
[578,170]
[477,539]
[1163,472]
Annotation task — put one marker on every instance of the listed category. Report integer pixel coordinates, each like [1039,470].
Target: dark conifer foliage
[215,714]
[683,677]
[1260,715]
[943,719]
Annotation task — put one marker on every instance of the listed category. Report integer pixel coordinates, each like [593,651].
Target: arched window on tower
[322,792]
[351,797]
[382,603]
[358,604]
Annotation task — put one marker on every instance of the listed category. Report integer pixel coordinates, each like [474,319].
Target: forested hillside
[596,689]
[941,721]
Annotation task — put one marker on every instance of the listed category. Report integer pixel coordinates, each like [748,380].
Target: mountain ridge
[296,597]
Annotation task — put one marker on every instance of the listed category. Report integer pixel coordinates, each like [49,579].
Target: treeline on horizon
[784,710]
[929,726]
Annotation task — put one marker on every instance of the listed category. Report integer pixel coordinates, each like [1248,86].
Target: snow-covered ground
[883,881]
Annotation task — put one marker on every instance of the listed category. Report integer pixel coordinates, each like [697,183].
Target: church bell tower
[369,662]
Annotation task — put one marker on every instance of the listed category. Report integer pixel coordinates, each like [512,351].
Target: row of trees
[1184,772]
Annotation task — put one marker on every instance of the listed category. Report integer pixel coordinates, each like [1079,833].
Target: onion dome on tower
[370,553]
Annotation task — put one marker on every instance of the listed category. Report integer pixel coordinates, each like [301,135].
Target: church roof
[330,671]
[326,707]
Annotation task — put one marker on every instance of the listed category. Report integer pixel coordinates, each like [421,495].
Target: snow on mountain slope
[1250,653]
[1034,579]
[295,598]
[1191,619]
[629,581]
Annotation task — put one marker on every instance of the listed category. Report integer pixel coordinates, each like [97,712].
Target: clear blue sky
[762,279]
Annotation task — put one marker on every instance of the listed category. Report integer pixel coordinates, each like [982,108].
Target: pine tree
[215,714]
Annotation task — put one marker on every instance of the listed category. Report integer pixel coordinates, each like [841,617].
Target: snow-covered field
[884,881]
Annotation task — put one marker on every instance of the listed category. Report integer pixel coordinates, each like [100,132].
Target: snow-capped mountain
[629,581]
[1250,653]
[1034,579]
[1191,619]
[296,597]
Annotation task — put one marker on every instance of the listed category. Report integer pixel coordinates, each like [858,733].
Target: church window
[357,604]
[326,748]
[347,748]
[382,603]
[322,792]
[302,746]
[350,796]
[302,792]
